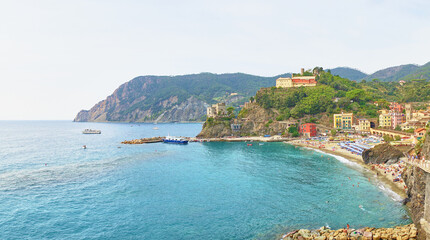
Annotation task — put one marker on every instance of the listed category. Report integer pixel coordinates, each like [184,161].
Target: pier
[143,140]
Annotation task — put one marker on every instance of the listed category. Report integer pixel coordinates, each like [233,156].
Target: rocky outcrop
[382,153]
[415,180]
[217,129]
[399,232]
[254,120]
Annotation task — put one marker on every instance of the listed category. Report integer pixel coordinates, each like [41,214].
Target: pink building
[396,107]
[396,118]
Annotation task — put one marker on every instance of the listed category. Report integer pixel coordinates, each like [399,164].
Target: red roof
[420,130]
[303,80]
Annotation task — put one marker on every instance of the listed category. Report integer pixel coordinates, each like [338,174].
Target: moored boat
[177,140]
[91,131]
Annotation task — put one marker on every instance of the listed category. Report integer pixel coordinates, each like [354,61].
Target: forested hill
[174,98]
[350,73]
[391,74]
[335,94]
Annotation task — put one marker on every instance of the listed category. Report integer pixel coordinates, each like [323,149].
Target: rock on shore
[398,233]
[382,153]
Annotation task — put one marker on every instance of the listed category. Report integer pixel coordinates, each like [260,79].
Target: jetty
[143,140]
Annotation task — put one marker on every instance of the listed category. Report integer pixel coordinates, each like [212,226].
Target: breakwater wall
[399,232]
[143,140]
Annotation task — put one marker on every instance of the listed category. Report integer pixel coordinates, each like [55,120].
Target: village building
[288,124]
[343,121]
[363,125]
[396,119]
[216,110]
[408,111]
[296,81]
[420,132]
[396,107]
[412,124]
[385,119]
[308,129]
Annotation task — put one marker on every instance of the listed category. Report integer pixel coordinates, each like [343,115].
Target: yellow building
[343,120]
[363,125]
[385,119]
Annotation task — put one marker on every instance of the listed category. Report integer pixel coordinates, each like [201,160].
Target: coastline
[386,180]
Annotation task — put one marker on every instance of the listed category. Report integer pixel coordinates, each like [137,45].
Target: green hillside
[335,94]
[146,98]
[422,72]
[394,73]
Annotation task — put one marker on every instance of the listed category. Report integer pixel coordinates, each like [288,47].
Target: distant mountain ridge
[185,97]
[174,98]
[350,73]
[396,73]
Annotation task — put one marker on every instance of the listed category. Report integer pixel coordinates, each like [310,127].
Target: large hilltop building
[216,109]
[296,81]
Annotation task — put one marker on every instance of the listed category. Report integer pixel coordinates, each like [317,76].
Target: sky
[58,57]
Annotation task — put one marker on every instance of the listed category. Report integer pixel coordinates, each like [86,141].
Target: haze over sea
[52,188]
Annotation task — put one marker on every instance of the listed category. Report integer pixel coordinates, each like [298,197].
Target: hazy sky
[58,57]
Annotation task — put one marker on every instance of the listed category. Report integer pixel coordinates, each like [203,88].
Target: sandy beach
[382,172]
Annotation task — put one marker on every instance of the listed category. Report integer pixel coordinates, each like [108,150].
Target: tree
[398,128]
[230,110]
[387,138]
[293,131]
[333,132]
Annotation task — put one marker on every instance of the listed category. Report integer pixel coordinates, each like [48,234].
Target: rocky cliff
[415,179]
[174,98]
[382,153]
[254,121]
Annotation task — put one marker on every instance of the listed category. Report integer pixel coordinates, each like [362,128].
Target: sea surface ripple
[52,188]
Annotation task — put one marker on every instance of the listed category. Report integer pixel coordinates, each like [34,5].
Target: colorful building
[343,121]
[408,111]
[396,119]
[308,129]
[420,132]
[385,119]
[363,125]
[305,81]
[296,81]
[396,107]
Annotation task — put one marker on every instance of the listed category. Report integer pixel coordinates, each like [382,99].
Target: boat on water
[155,128]
[177,140]
[91,131]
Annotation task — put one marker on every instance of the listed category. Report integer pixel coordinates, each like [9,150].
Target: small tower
[302,71]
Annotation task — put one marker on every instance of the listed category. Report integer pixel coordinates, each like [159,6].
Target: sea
[53,188]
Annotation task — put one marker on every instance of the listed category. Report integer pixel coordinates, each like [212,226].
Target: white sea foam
[62,174]
[387,191]
[340,159]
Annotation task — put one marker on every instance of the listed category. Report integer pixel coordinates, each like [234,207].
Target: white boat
[91,131]
[155,128]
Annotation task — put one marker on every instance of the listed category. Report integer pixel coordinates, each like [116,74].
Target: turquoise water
[51,188]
